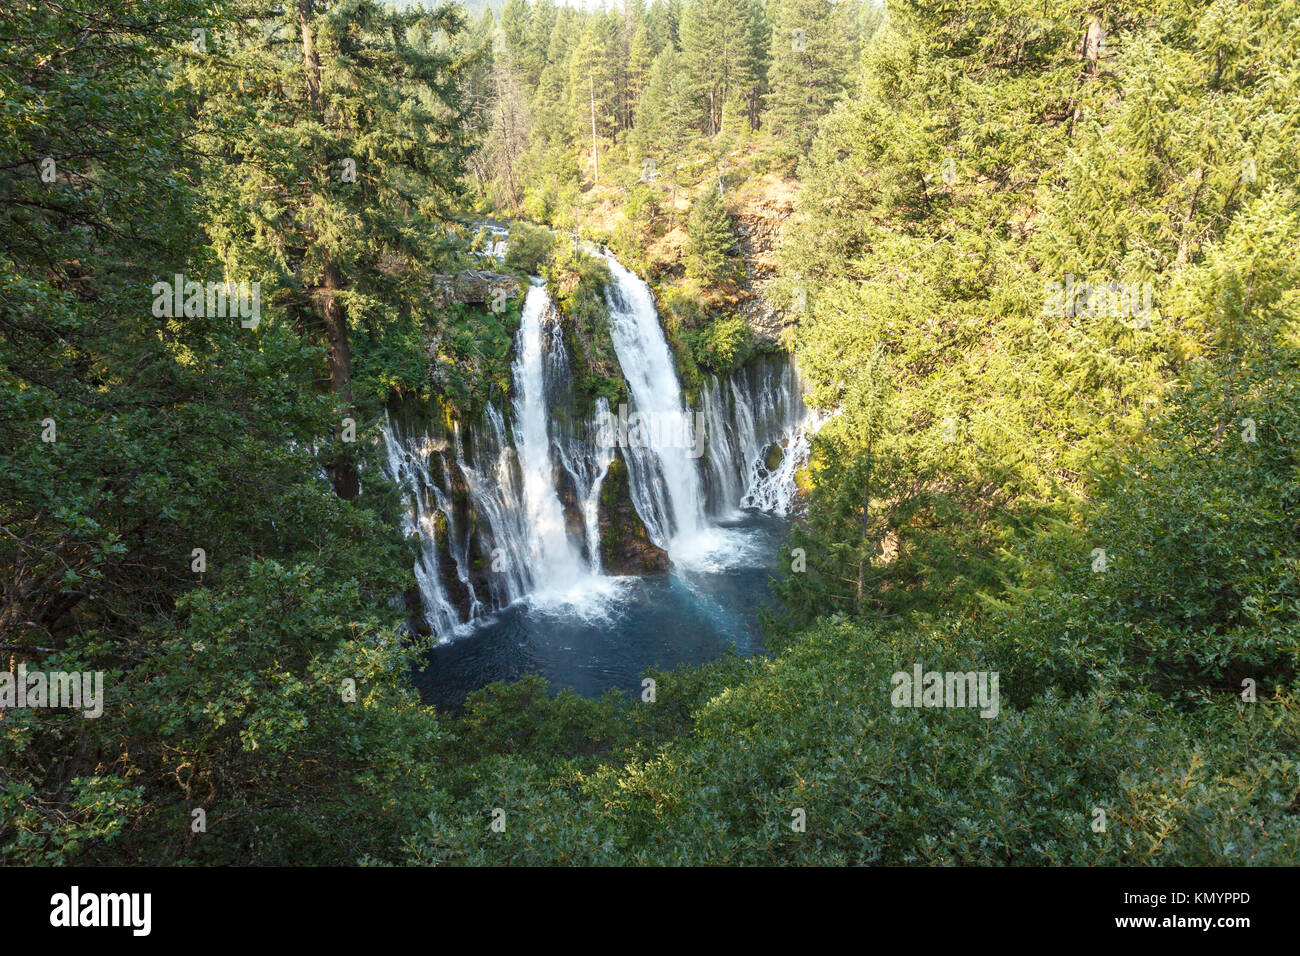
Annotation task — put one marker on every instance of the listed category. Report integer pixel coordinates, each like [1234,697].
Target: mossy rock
[625,545]
[775,454]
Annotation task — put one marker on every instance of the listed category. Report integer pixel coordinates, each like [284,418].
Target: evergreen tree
[662,19]
[551,104]
[366,129]
[638,56]
[174,530]
[593,87]
[709,238]
[719,52]
[541,23]
[665,117]
[806,75]
[515,36]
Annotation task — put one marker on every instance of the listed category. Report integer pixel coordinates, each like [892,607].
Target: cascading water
[491,478]
[508,476]
[554,562]
[585,462]
[508,510]
[664,468]
[759,433]
[409,463]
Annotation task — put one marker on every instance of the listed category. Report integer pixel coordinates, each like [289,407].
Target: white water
[509,513]
[411,467]
[756,413]
[555,563]
[665,478]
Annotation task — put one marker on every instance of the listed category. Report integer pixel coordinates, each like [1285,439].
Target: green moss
[772,461]
[578,285]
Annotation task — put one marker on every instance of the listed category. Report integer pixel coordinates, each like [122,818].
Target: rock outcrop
[475,286]
[757,221]
[625,546]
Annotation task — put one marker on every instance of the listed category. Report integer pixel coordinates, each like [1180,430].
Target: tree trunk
[347,484]
[310,59]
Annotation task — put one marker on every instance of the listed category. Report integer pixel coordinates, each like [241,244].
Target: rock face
[625,547]
[572,509]
[757,223]
[474,286]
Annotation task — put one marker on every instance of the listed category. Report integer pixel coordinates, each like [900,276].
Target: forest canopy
[1038,269]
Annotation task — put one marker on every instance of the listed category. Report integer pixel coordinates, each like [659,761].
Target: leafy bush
[528,247]
[815,730]
[722,345]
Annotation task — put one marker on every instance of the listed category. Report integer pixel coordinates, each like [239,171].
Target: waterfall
[663,469]
[551,556]
[515,520]
[507,508]
[490,475]
[409,463]
[494,246]
[759,434]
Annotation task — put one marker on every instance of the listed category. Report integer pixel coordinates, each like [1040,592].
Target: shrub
[528,247]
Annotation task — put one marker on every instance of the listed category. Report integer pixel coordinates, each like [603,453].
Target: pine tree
[709,238]
[720,54]
[357,127]
[665,118]
[639,56]
[806,75]
[515,36]
[552,100]
[593,87]
[180,494]
[662,18]
[541,22]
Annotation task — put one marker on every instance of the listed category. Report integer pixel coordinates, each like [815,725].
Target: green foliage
[988,445]
[581,281]
[815,730]
[570,87]
[721,346]
[528,247]
[521,717]
[811,40]
[222,681]
[933,236]
[474,356]
[722,54]
[666,113]
[710,239]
